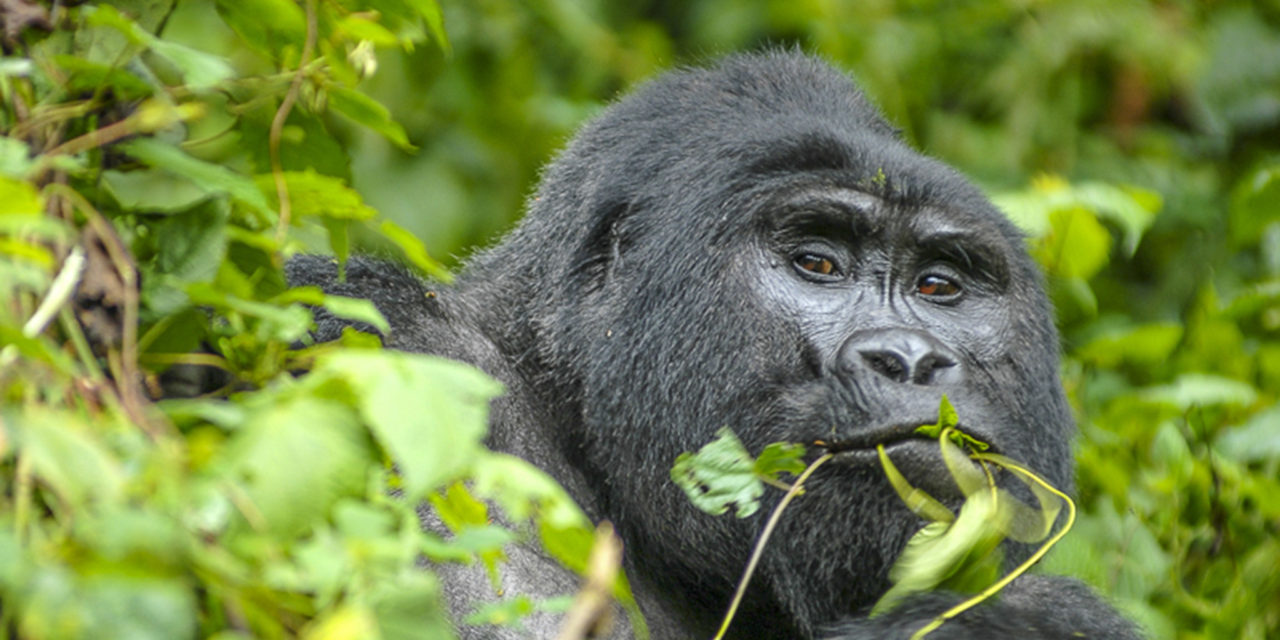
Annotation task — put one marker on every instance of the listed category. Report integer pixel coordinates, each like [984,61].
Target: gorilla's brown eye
[816,264]
[936,286]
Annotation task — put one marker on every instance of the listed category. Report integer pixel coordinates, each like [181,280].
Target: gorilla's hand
[1032,607]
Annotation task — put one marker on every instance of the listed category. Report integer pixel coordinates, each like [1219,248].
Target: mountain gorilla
[752,245]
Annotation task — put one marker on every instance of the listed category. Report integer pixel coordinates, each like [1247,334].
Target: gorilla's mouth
[889,436]
[917,456]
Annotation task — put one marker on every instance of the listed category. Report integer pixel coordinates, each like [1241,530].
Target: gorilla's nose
[902,355]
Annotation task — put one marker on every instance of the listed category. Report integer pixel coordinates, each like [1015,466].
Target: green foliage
[960,552]
[146,176]
[144,128]
[723,473]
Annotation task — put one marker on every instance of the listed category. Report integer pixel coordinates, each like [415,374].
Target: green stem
[764,538]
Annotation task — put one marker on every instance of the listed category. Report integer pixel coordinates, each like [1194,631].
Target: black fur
[654,293]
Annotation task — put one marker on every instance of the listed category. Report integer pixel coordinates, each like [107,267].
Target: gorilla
[752,245]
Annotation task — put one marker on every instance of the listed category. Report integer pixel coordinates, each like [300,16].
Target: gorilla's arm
[1041,607]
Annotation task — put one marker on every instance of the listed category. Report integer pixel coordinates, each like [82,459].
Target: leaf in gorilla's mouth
[898,433]
[972,440]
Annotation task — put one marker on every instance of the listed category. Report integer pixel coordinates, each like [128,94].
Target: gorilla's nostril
[887,364]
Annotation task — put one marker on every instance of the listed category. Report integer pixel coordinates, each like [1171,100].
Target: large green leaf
[428,413]
[326,440]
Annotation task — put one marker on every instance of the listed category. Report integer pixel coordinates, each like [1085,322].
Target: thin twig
[64,285]
[277,124]
[764,538]
[592,609]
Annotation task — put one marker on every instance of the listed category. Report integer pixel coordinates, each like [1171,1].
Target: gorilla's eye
[816,264]
[937,286]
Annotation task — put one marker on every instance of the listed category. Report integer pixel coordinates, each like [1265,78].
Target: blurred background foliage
[1137,142]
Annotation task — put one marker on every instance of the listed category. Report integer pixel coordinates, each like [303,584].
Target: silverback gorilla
[752,245]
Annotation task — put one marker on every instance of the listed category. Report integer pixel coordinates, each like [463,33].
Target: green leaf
[210,177]
[1254,204]
[968,477]
[1077,245]
[123,604]
[917,500]
[486,539]
[414,250]
[266,25]
[430,11]
[1142,345]
[1202,389]
[15,162]
[67,456]
[721,474]
[368,112]
[506,613]
[200,69]
[354,309]
[1131,208]
[457,508]
[940,550]
[88,76]
[289,498]
[314,194]
[522,490]
[428,413]
[1256,440]
[410,608]
[357,310]
[152,191]
[778,458]
[18,197]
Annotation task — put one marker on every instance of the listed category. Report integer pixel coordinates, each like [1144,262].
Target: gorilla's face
[894,305]
[754,248]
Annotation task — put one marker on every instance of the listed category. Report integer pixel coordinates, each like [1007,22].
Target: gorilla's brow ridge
[800,154]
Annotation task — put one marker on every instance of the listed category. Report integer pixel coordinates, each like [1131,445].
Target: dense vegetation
[162,158]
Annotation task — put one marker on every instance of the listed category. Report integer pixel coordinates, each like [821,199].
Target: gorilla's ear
[603,247]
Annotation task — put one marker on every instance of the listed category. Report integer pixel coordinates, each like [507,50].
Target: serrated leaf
[721,474]
[315,194]
[778,458]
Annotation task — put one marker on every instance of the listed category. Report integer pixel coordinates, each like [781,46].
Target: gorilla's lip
[869,439]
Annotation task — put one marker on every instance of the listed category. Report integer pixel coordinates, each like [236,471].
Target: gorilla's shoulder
[409,303]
